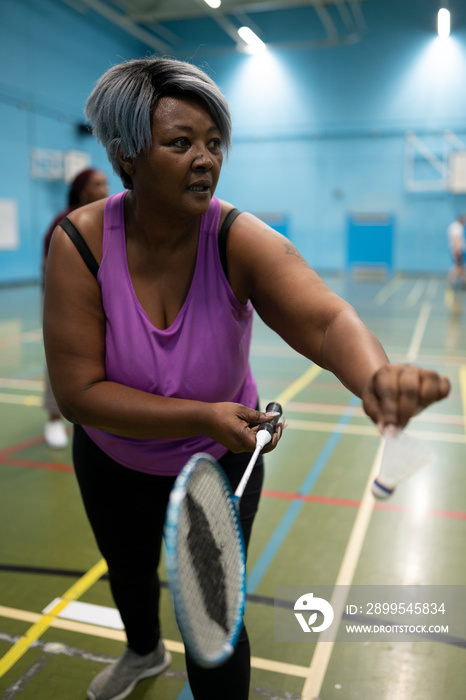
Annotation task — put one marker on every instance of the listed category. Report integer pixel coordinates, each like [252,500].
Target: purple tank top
[203,355]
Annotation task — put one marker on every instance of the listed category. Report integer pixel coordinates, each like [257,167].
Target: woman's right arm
[74,337]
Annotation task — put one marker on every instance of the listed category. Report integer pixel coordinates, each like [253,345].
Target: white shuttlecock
[402,456]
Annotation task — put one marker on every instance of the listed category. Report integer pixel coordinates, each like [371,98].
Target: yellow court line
[93,575]
[299,384]
[21,399]
[272,665]
[46,621]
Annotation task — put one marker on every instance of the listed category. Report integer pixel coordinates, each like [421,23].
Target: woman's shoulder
[225,207]
[89,221]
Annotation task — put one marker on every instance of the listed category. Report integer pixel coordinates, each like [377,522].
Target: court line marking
[370,431]
[350,503]
[18,446]
[45,621]
[20,338]
[21,399]
[299,384]
[432,289]
[337,409]
[416,293]
[323,650]
[93,575]
[419,331]
[22,384]
[119,635]
[36,464]
[387,291]
[432,358]
[282,529]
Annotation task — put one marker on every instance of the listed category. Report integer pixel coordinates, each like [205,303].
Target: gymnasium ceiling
[179,27]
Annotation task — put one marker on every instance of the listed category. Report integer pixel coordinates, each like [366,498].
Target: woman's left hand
[396,393]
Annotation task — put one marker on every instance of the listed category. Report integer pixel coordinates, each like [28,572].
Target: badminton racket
[206,560]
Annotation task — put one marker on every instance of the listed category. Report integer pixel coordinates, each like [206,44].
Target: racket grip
[270,425]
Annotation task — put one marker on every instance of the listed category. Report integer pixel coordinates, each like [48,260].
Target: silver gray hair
[121,106]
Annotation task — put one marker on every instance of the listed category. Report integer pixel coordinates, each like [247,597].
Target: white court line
[24,384]
[419,331]
[387,291]
[20,338]
[323,650]
[371,431]
[336,409]
[432,289]
[416,293]
[174,646]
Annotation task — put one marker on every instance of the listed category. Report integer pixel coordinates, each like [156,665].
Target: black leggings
[126,510]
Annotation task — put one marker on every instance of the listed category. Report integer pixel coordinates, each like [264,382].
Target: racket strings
[209,549]
[207,562]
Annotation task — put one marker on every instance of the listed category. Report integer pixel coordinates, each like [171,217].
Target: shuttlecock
[402,456]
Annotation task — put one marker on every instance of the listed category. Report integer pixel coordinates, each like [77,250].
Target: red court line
[5,457]
[267,493]
[457,515]
[19,446]
[311,499]
[35,464]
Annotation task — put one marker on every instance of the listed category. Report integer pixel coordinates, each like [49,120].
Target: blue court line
[281,531]
[185,694]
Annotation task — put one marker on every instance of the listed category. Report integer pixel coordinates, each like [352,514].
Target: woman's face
[180,171]
[95,188]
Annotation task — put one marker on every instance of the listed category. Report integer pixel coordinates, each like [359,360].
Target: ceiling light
[254,44]
[443,22]
[213,3]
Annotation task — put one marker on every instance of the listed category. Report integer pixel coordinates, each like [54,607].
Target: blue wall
[50,57]
[325,130]
[318,134]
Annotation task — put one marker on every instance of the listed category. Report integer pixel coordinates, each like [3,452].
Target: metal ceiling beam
[128,25]
[350,12]
[227,25]
[200,9]
[327,22]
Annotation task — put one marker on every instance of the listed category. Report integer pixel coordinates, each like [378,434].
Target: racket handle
[263,438]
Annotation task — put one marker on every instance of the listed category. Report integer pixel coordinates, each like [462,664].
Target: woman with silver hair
[148,342]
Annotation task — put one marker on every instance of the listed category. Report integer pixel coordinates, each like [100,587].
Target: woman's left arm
[293,300]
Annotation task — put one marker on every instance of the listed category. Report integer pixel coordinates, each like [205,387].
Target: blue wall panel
[319,134]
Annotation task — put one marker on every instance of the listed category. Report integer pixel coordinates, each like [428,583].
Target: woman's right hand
[235,426]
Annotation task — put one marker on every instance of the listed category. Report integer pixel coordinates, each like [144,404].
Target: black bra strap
[93,265]
[81,245]
[222,238]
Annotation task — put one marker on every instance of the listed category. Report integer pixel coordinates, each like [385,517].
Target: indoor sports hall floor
[318,523]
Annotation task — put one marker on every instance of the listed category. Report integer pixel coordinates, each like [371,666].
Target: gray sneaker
[117,680]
